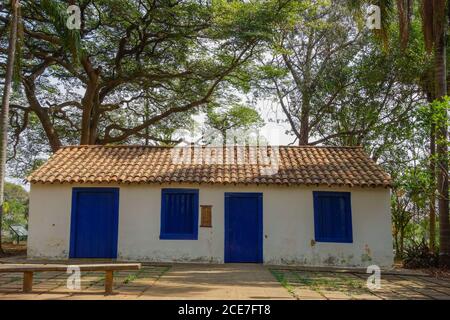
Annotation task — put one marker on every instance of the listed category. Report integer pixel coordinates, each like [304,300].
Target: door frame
[259,196]
[73,216]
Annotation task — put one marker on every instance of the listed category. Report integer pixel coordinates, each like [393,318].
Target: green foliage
[56,12]
[235,117]
[410,204]
[14,192]
[419,255]
[15,207]
[333,82]
[256,19]
[150,65]
[434,113]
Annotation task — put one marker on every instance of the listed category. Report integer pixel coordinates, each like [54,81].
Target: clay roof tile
[287,165]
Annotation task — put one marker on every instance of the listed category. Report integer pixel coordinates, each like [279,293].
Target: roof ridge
[205,146]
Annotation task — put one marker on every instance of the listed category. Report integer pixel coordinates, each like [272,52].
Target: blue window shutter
[179,214]
[332,217]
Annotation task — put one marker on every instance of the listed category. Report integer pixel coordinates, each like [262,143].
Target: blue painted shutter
[332,217]
[179,214]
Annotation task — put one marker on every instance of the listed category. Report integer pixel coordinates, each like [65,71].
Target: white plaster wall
[49,221]
[288,225]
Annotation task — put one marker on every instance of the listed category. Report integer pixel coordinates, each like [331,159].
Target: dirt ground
[14,249]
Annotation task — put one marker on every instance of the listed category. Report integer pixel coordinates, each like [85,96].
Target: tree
[177,56]
[401,217]
[440,25]
[434,15]
[15,206]
[308,69]
[409,202]
[434,20]
[334,84]
[237,117]
[4,119]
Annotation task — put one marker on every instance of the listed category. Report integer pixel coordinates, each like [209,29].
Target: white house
[301,205]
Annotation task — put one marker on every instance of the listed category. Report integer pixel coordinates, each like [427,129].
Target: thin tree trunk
[146,116]
[442,148]
[402,241]
[432,165]
[433,188]
[5,105]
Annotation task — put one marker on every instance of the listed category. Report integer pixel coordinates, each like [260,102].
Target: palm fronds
[58,16]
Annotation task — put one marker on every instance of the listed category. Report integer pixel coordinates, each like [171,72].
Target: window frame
[179,236]
[348,216]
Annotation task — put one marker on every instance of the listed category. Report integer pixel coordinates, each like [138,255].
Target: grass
[319,281]
[136,275]
[130,278]
[282,280]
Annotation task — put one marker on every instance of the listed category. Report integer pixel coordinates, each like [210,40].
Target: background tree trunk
[429,90]
[432,215]
[441,132]
[5,105]
[304,126]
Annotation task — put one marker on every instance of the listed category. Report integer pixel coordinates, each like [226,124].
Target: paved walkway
[227,281]
[180,281]
[316,285]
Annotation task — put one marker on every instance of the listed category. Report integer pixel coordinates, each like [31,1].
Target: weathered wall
[49,221]
[288,226]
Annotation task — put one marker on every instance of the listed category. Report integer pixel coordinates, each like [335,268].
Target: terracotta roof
[331,166]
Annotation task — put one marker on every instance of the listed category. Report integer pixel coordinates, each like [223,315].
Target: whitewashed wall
[288,226]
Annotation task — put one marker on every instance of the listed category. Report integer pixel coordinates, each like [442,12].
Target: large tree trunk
[304,124]
[89,101]
[5,105]
[42,114]
[441,133]
[86,119]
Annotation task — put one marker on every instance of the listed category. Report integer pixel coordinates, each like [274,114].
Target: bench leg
[109,282]
[27,281]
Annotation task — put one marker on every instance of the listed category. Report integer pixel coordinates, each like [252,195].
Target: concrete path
[179,281]
[226,281]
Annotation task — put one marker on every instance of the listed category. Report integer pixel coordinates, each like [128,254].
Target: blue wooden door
[243,227]
[94,223]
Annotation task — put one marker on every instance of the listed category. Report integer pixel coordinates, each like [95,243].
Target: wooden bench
[29,269]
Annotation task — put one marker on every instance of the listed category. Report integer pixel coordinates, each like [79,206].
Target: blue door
[94,223]
[243,227]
